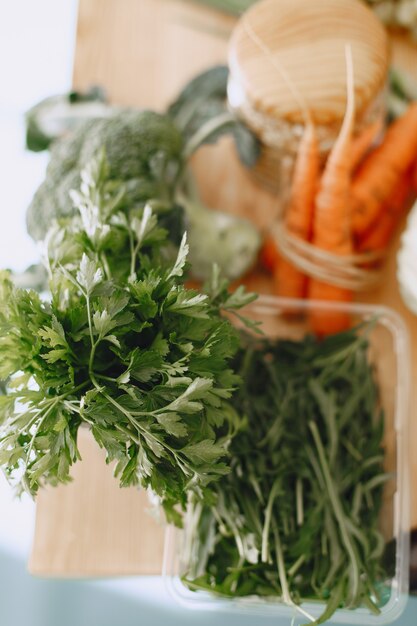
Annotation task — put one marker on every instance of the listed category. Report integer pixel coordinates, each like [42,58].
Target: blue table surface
[29,601]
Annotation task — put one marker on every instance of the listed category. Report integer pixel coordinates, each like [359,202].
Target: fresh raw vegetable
[414,177]
[380,233]
[369,201]
[332,218]
[149,153]
[382,169]
[290,281]
[297,517]
[269,256]
[122,347]
[56,116]
[144,150]
[150,136]
[201,112]
[232,242]
[362,143]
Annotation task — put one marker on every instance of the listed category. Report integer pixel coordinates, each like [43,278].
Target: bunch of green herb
[297,517]
[123,347]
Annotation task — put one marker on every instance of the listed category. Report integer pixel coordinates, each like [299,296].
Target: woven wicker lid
[303,47]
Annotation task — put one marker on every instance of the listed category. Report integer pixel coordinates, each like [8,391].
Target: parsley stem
[52,405]
[38,426]
[147,434]
[108,378]
[128,432]
[90,325]
[132,254]
[106,266]
[94,345]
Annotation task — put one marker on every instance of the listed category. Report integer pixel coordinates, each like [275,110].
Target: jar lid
[288,53]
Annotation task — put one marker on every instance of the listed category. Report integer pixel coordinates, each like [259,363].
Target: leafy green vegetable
[201,112]
[297,517]
[149,153]
[123,347]
[144,151]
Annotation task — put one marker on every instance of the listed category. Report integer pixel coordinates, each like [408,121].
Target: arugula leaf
[297,515]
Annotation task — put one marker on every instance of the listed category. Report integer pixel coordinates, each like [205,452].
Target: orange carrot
[362,143]
[332,221]
[269,256]
[414,176]
[380,234]
[288,280]
[379,174]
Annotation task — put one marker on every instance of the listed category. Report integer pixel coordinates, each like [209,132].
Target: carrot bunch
[353,205]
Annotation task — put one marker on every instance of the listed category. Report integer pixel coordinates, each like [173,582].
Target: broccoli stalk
[230,241]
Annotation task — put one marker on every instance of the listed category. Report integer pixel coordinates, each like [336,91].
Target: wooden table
[142,52]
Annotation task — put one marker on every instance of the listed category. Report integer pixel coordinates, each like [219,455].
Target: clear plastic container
[389,352]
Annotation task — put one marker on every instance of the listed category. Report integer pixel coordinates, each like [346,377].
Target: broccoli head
[143,149]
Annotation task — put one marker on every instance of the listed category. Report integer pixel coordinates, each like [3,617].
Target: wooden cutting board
[142,52]
[93,528]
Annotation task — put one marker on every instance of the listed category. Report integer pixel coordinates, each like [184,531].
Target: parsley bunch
[122,346]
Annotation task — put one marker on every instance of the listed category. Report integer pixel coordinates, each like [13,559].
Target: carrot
[332,221]
[378,237]
[269,256]
[362,143]
[379,174]
[288,280]
[414,176]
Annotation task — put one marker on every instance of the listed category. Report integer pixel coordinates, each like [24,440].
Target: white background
[36,50]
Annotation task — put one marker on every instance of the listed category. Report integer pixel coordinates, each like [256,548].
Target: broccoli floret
[143,133]
[65,153]
[143,149]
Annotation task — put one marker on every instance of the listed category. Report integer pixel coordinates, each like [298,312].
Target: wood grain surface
[91,527]
[142,52]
